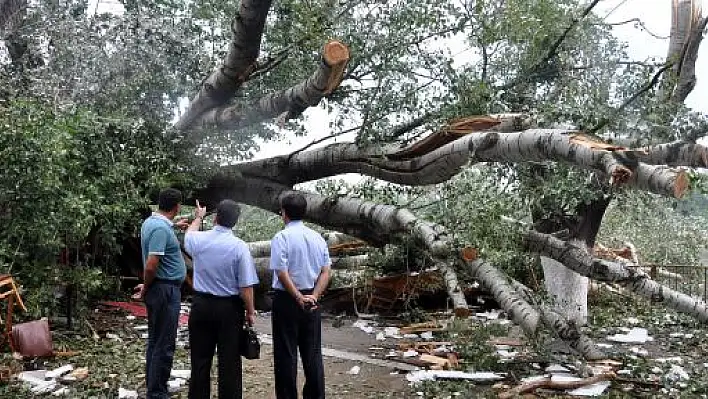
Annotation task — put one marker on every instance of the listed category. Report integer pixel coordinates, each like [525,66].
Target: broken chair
[10,294]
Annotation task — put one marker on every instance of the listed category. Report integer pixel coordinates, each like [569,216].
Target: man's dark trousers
[162,301]
[293,328]
[215,322]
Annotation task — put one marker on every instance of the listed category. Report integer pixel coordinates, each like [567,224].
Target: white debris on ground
[363,326]
[58,372]
[127,394]
[639,351]
[596,389]
[677,373]
[354,370]
[43,381]
[184,374]
[635,335]
[557,368]
[558,373]
[432,375]
[410,353]
[175,385]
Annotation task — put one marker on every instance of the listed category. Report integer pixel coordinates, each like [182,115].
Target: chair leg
[19,298]
[8,322]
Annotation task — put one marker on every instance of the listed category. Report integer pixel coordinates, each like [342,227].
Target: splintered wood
[547,382]
[421,327]
[593,143]
[387,291]
[433,355]
[448,134]
[347,248]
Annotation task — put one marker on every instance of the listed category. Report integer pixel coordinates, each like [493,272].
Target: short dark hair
[227,213]
[168,199]
[294,205]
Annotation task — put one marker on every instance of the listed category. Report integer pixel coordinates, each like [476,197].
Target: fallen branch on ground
[548,383]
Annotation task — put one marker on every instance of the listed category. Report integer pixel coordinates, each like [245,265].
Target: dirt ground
[119,362]
[371,382]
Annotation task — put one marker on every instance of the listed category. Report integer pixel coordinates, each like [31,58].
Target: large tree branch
[687,28]
[575,256]
[518,302]
[239,62]
[288,103]
[687,74]
[677,153]
[440,164]
[376,223]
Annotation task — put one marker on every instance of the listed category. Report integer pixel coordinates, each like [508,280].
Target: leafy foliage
[73,185]
[658,229]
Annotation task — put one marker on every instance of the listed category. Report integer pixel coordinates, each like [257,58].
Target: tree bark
[288,103]
[574,255]
[568,289]
[338,263]
[676,153]
[240,61]
[440,164]
[687,28]
[518,302]
[376,223]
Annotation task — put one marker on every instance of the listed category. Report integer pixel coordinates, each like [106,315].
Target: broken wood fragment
[435,362]
[421,327]
[448,134]
[336,56]
[583,139]
[561,385]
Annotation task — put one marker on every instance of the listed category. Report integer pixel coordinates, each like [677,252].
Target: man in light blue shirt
[224,276]
[299,258]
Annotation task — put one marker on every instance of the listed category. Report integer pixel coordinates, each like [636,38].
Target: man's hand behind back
[309,302]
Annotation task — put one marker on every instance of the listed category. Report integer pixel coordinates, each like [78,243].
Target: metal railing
[691,280]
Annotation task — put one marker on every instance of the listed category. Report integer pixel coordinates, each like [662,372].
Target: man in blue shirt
[224,275]
[299,258]
[164,272]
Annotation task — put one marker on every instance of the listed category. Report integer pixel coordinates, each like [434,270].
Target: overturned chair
[10,294]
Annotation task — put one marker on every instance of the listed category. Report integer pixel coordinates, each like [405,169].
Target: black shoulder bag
[250,346]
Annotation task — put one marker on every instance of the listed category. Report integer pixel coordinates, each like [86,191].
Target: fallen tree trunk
[372,222]
[575,256]
[516,300]
[676,153]
[338,263]
[337,242]
[546,382]
[440,164]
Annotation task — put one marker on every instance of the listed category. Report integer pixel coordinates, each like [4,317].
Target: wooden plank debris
[547,382]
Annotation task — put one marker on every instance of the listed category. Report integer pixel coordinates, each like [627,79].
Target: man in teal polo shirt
[164,272]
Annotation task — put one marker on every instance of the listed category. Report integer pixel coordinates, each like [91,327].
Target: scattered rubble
[635,335]
[433,375]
